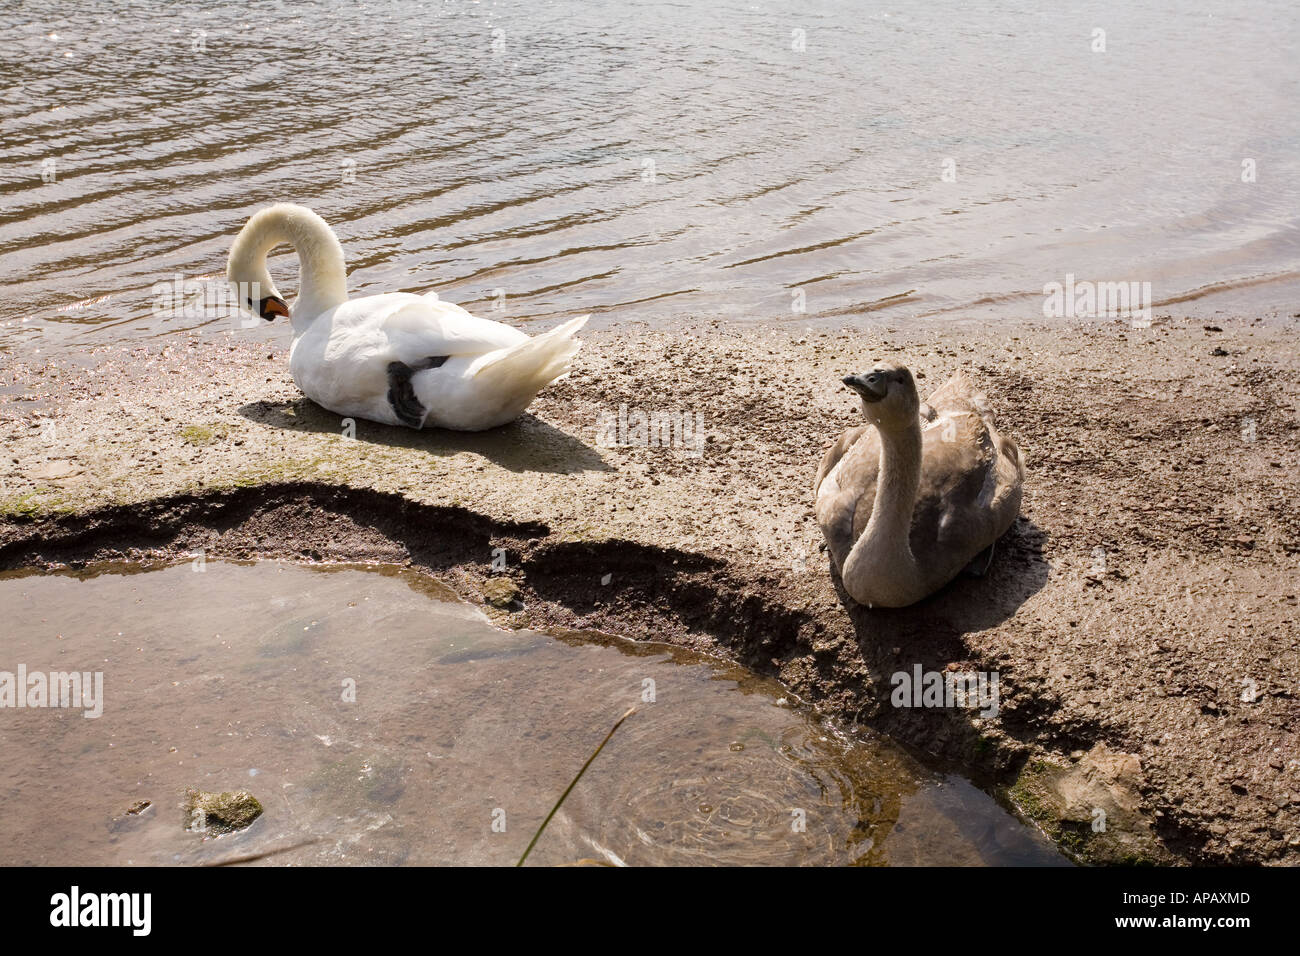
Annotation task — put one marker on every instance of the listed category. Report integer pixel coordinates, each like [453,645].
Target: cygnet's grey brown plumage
[906,501]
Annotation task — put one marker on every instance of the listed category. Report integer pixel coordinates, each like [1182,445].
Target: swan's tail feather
[526,368]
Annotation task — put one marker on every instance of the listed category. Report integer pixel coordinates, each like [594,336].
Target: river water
[642,161]
[378,721]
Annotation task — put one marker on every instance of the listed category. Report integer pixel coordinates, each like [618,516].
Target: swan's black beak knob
[272,306]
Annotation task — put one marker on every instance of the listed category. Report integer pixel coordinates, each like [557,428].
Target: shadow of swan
[527,444]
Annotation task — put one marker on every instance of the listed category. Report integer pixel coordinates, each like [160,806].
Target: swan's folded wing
[846,489]
[955,503]
[958,394]
[412,328]
[835,452]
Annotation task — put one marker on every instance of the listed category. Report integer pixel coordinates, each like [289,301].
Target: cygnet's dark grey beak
[870,385]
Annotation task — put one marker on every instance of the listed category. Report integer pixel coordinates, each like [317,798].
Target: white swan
[396,358]
[906,505]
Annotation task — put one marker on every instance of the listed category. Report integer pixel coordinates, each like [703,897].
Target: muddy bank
[1141,615]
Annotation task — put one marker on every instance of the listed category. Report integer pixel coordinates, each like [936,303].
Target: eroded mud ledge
[643,592]
[1152,572]
[640,591]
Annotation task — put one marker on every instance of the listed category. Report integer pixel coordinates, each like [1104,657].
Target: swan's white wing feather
[342,359]
[348,354]
[401,327]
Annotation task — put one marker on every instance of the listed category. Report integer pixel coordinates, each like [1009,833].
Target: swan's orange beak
[272,306]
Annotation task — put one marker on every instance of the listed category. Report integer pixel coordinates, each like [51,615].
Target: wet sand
[1141,615]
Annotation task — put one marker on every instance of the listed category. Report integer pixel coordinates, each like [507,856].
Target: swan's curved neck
[322,273]
[881,568]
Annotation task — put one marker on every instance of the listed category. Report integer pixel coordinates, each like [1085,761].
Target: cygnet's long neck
[322,273]
[881,569]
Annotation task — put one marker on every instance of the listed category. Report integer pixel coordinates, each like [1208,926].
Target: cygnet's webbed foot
[981,563]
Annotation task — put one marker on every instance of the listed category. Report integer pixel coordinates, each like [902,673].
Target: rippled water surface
[234,678]
[644,160]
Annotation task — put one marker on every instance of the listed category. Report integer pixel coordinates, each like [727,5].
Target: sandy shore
[1141,616]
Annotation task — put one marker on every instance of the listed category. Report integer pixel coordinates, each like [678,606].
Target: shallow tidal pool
[380,721]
